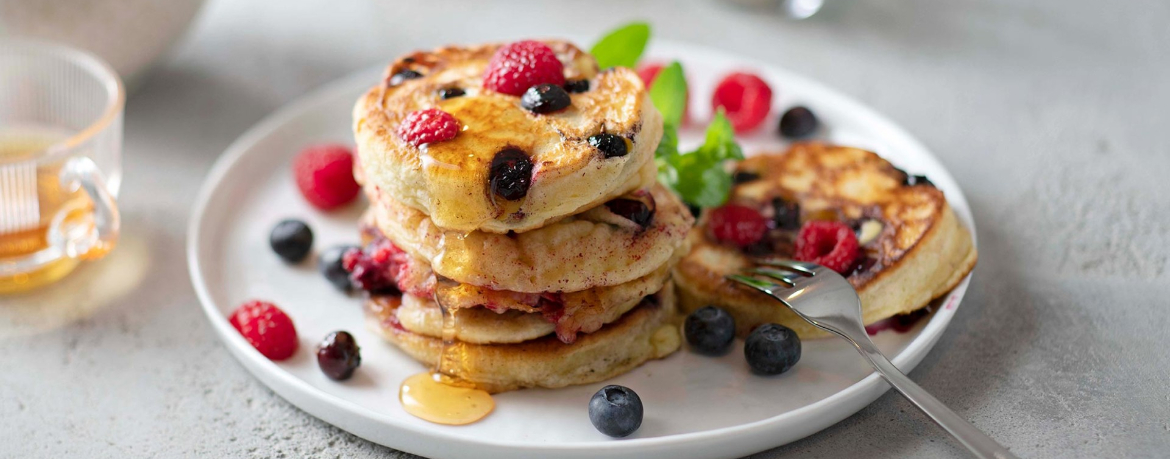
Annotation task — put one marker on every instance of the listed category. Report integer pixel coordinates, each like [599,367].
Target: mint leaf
[698,176]
[720,140]
[669,93]
[622,47]
[668,146]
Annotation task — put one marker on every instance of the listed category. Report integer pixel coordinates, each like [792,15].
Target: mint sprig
[622,47]
[698,176]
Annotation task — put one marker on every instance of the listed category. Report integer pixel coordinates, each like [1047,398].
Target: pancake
[565,313]
[917,249]
[647,332]
[449,180]
[596,248]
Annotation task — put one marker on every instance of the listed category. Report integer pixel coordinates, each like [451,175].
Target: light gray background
[1051,115]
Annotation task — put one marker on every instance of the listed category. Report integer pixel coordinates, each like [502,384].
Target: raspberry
[428,126]
[829,244]
[648,72]
[521,65]
[324,174]
[745,98]
[376,268]
[267,328]
[739,225]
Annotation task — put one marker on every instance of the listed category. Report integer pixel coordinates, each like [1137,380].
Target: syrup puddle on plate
[436,396]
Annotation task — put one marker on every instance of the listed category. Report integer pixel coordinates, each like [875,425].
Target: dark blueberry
[787,214]
[511,174]
[912,180]
[633,210]
[403,75]
[332,266]
[545,98]
[710,330]
[611,146]
[695,210]
[577,86]
[447,93]
[615,411]
[339,355]
[798,122]
[291,240]
[772,349]
[744,177]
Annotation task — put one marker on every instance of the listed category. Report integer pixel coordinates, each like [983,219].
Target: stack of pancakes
[568,284]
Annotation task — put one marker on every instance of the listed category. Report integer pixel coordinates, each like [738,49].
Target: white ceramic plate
[696,407]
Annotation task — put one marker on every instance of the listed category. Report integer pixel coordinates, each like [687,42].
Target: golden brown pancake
[646,332]
[449,180]
[914,248]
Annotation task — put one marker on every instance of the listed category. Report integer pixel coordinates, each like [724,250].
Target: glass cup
[60,161]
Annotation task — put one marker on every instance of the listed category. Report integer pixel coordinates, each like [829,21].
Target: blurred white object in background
[792,9]
[129,34]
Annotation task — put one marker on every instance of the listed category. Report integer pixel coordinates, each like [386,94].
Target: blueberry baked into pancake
[892,235]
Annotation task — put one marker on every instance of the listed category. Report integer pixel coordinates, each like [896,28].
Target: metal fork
[825,299]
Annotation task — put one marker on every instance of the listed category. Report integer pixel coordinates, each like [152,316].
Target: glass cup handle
[86,241]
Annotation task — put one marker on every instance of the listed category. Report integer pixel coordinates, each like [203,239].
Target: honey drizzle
[441,396]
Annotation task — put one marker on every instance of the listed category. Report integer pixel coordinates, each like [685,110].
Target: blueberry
[403,75]
[615,411]
[709,330]
[332,266]
[510,174]
[787,214]
[338,355]
[798,122]
[772,349]
[633,210]
[577,86]
[912,180]
[545,98]
[744,177]
[291,240]
[448,93]
[611,146]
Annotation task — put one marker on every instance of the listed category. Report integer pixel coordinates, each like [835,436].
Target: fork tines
[796,272]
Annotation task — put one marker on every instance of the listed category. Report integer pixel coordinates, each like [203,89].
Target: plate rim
[301,394]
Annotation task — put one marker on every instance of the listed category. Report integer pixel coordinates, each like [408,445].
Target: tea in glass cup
[60,161]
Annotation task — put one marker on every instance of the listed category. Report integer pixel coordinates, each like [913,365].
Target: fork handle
[974,439]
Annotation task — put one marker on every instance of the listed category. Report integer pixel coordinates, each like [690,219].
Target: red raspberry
[739,225]
[521,65]
[267,328]
[428,126]
[324,174]
[745,98]
[829,244]
[648,72]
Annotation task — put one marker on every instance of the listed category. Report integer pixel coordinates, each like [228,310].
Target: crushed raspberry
[377,267]
[515,67]
[739,225]
[745,98]
[324,174]
[828,243]
[267,328]
[428,126]
[648,72]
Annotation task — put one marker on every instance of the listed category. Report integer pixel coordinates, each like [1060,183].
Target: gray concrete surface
[1051,115]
